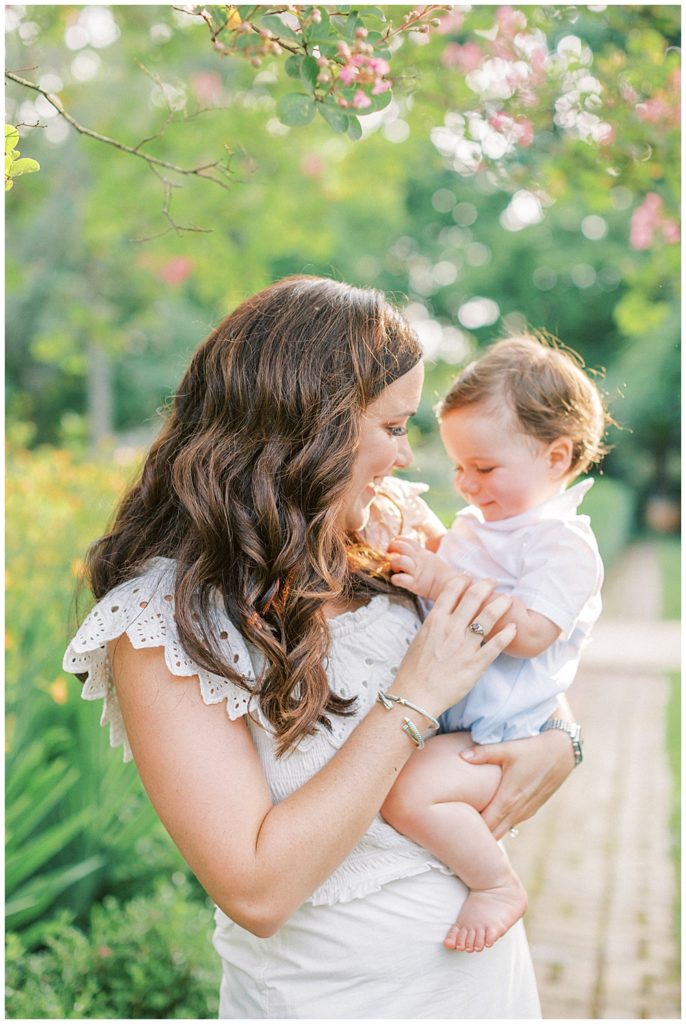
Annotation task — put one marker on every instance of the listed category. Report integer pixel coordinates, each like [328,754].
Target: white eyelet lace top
[367,645]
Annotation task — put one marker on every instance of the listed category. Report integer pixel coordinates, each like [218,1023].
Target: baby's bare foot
[486,915]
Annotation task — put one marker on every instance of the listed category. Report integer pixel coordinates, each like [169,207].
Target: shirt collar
[562,506]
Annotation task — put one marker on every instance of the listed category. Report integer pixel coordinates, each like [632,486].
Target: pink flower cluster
[363,69]
[175,271]
[648,220]
[517,129]
[466,57]
[664,107]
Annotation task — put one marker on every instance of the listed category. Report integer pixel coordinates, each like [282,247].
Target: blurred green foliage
[149,958]
[112,273]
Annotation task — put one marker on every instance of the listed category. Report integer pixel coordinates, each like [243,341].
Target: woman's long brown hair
[244,485]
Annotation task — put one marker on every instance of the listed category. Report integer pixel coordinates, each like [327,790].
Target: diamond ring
[477,628]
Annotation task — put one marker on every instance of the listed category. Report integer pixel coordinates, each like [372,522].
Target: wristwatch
[573,730]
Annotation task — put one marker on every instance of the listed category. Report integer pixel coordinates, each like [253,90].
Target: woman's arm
[260,861]
[533,769]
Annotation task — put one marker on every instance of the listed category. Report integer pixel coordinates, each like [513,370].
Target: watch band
[573,730]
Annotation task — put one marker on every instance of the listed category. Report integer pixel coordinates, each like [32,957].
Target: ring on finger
[476,627]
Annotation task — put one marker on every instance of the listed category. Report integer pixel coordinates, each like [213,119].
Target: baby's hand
[416,569]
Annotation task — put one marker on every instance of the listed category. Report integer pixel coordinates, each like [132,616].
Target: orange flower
[58,690]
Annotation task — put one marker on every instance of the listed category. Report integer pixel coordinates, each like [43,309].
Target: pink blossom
[466,57]
[628,93]
[525,133]
[312,165]
[207,86]
[654,110]
[380,85]
[360,100]
[176,271]
[510,21]
[647,219]
[348,74]
[538,62]
[450,22]
[671,232]
[379,66]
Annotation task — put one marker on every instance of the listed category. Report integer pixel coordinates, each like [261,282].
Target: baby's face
[497,468]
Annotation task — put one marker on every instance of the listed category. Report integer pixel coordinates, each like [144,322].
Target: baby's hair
[545,386]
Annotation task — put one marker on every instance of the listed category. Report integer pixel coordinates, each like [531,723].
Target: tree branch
[152,161]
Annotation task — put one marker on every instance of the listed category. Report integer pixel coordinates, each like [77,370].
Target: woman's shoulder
[143,609]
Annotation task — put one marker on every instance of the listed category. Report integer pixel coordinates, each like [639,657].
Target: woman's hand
[532,768]
[446,657]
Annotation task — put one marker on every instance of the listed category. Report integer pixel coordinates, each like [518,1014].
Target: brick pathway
[596,859]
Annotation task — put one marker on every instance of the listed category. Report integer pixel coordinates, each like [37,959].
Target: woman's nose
[403,458]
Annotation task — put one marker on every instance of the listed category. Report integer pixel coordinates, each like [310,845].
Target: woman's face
[383,444]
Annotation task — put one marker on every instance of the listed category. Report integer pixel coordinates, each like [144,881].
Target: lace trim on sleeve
[143,609]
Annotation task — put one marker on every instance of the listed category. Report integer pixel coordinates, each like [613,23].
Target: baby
[519,425]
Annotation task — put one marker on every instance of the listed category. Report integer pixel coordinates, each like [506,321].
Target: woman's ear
[559,454]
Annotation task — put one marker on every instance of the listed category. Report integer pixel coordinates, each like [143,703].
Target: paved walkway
[596,859]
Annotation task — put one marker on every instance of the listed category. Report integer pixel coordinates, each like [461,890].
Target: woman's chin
[355,519]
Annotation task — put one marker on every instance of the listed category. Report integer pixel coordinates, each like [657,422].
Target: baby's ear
[559,454]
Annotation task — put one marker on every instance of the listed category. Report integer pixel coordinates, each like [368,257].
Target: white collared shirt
[548,558]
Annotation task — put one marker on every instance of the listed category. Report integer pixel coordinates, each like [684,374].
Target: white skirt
[376,957]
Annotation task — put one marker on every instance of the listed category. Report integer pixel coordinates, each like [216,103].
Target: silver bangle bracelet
[408,726]
[413,732]
[388,699]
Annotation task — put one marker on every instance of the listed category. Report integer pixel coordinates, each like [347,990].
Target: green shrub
[611,504]
[149,958]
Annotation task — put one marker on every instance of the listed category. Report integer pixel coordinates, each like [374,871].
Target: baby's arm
[535,632]
[425,574]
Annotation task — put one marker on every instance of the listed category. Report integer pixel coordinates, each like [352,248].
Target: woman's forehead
[401,397]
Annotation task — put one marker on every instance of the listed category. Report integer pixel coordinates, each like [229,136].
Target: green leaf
[11,138]
[24,166]
[309,70]
[295,109]
[293,65]
[354,127]
[380,101]
[373,12]
[275,25]
[23,863]
[334,116]
[41,892]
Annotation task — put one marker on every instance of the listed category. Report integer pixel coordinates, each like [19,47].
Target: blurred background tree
[524,170]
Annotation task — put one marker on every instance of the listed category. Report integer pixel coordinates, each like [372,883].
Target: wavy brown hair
[244,486]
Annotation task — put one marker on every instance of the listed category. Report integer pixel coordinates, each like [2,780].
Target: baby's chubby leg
[436,801]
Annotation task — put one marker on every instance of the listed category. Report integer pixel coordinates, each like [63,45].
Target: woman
[242,633]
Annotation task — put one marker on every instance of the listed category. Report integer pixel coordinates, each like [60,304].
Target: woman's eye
[486,469]
[397,431]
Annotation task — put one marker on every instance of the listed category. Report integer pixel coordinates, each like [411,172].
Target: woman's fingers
[447,600]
